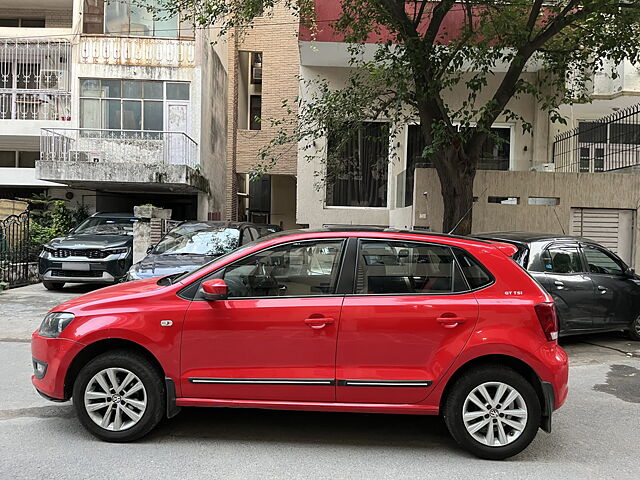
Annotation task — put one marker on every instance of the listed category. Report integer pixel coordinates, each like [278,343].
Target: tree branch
[437,17]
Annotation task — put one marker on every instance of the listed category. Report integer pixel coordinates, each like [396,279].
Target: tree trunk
[456,171]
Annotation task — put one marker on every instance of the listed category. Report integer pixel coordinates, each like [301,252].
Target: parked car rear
[594,290]
[358,320]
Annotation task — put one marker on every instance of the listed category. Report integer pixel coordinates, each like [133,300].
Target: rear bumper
[57,354]
[555,378]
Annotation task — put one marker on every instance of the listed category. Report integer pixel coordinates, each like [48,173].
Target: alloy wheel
[495,414]
[115,399]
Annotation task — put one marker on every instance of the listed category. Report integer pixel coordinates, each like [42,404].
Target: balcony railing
[603,145]
[144,51]
[117,146]
[35,79]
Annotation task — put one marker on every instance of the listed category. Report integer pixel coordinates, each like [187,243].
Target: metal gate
[14,250]
[609,227]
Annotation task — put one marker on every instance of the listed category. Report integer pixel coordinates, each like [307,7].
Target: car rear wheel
[52,285]
[634,329]
[493,412]
[119,396]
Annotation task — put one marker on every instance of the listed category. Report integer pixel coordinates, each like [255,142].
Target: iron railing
[609,143]
[144,51]
[117,146]
[35,79]
[15,252]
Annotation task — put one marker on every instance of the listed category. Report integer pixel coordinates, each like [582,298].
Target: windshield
[194,240]
[106,226]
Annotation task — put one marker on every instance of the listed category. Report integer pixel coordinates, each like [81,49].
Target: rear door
[409,317]
[566,280]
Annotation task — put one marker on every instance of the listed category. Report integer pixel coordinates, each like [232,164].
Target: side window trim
[219,273]
[456,266]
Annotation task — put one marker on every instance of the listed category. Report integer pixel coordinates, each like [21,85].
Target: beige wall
[575,190]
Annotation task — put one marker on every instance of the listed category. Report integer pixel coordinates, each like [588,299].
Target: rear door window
[562,259]
[396,267]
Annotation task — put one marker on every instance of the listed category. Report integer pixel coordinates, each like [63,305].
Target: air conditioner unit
[544,167]
[256,74]
[54,80]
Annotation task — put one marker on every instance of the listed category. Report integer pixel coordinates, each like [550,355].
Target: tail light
[548,319]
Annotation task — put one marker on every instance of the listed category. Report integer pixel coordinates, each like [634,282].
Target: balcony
[120,159]
[137,51]
[35,80]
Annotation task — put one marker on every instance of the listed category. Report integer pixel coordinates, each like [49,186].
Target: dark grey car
[594,289]
[192,244]
[99,250]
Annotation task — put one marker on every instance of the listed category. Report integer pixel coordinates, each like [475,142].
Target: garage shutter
[610,228]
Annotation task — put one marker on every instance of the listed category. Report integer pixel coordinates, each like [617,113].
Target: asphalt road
[595,435]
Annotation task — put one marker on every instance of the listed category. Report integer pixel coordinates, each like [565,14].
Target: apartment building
[387,195]
[264,63]
[108,107]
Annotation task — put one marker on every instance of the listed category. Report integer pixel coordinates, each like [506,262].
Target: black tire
[52,285]
[454,404]
[150,377]
[634,329]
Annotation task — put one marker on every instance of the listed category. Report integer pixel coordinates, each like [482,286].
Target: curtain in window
[358,175]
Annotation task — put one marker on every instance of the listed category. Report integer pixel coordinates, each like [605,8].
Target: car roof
[527,237]
[217,224]
[113,215]
[356,229]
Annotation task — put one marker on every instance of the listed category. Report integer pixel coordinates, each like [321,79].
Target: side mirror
[215,289]
[630,272]
[150,249]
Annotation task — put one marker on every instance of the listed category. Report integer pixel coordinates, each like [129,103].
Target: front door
[408,320]
[616,292]
[178,125]
[570,286]
[274,338]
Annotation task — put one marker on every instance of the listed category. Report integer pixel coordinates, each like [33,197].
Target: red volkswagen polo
[365,320]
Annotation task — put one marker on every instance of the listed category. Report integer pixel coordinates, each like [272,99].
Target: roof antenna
[559,222]
[466,213]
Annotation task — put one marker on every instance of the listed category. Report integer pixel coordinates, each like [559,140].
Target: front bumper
[111,269]
[57,354]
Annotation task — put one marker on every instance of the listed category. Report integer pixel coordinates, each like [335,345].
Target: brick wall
[276,37]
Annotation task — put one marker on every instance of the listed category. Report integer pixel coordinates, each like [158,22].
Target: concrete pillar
[143,228]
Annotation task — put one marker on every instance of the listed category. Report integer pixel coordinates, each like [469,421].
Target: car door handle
[602,289]
[450,322]
[559,284]
[319,322]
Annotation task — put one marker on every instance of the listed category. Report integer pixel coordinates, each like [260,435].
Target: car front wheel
[493,412]
[634,329]
[119,396]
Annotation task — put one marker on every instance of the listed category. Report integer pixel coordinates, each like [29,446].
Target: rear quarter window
[476,274]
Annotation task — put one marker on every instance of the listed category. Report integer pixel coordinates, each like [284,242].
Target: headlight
[48,249]
[132,274]
[117,251]
[54,323]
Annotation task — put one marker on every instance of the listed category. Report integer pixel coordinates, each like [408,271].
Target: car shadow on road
[357,429]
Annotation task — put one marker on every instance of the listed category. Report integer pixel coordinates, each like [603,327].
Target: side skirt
[409,409]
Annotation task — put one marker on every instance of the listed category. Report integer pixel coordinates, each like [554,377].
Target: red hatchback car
[362,320]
